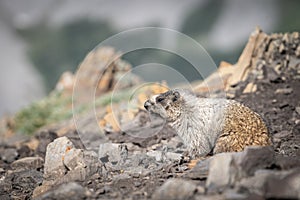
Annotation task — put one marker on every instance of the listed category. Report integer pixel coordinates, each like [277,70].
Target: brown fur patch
[243,127]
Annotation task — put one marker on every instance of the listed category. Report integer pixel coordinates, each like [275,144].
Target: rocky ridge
[54,163]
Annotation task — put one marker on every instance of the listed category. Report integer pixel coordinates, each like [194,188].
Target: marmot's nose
[147,104]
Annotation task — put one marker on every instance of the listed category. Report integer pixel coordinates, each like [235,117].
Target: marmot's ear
[176,96]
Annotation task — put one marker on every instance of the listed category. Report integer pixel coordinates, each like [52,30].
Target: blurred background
[39,40]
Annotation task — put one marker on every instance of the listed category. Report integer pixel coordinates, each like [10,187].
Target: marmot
[207,125]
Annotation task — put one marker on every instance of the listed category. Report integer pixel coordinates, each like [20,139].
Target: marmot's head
[167,105]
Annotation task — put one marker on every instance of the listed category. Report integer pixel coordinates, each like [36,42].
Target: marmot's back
[242,127]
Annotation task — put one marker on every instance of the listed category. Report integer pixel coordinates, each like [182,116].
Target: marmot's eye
[159,99]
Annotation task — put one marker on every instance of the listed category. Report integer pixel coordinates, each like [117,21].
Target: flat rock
[70,190]
[285,91]
[274,184]
[175,189]
[28,163]
[9,155]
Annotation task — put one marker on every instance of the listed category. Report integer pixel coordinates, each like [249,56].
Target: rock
[56,151]
[253,158]
[111,152]
[234,195]
[200,171]
[70,190]
[282,134]
[21,183]
[298,110]
[174,156]
[274,184]
[164,155]
[297,52]
[285,163]
[44,138]
[28,163]
[64,163]
[9,155]
[284,185]
[251,87]
[200,189]
[227,168]
[222,172]
[285,91]
[160,156]
[175,189]
[277,137]
[271,74]
[81,165]
[25,151]
[65,82]
[74,158]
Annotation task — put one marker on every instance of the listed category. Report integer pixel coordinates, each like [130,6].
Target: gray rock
[234,195]
[44,137]
[158,155]
[55,154]
[21,183]
[285,91]
[274,184]
[64,163]
[298,110]
[175,189]
[227,168]
[209,197]
[74,159]
[253,158]
[222,172]
[28,163]
[285,163]
[70,190]
[9,155]
[164,155]
[81,165]
[281,134]
[174,156]
[109,152]
[200,171]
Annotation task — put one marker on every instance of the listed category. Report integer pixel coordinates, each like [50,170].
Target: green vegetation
[52,109]
[56,108]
